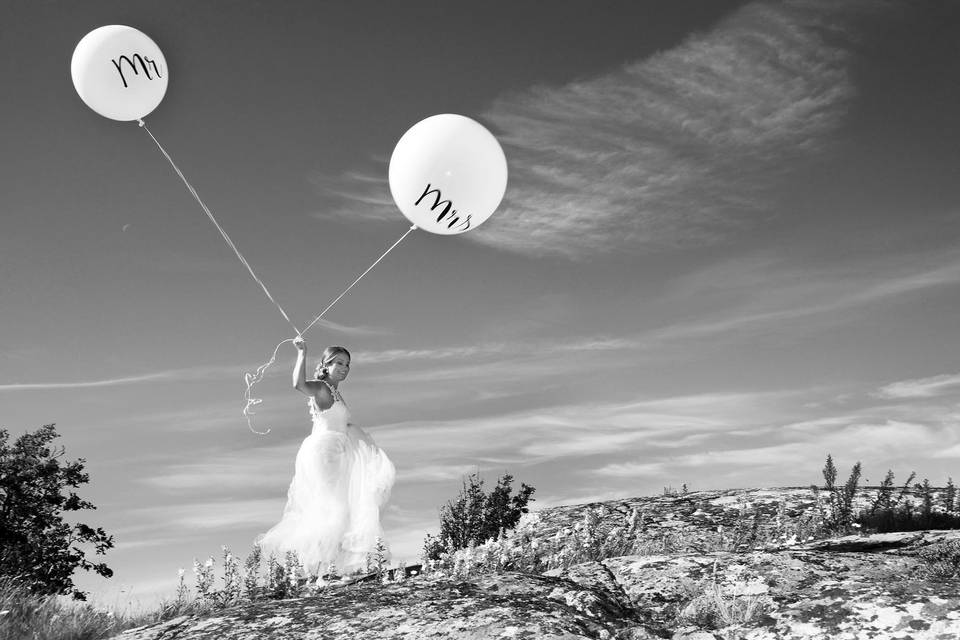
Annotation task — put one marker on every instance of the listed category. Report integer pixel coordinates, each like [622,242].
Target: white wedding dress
[341,481]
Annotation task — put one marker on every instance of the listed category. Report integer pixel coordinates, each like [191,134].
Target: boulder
[762,586]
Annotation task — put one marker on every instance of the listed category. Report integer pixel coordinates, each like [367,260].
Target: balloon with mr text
[119,72]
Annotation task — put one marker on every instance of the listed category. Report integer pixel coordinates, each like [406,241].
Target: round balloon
[119,72]
[448,174]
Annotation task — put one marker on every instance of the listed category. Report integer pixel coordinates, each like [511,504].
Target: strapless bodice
[336,418]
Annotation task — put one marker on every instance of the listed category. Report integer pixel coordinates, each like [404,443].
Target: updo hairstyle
[329,354]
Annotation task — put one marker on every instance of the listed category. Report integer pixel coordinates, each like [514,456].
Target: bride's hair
[329,354]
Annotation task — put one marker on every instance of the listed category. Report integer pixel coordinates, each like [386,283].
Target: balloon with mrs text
[447,174]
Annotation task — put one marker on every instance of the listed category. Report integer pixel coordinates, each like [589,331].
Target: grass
[711,603]
[29,616]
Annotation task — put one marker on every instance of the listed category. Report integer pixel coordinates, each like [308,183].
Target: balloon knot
[141,122]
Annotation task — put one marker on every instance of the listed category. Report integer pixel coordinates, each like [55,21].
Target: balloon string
[337,299]
[253,378]
[223,233]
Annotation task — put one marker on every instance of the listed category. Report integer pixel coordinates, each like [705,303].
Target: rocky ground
[861,586]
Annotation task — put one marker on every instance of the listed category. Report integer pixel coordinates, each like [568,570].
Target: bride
[341,479]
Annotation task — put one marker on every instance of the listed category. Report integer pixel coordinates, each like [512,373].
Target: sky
[728,247]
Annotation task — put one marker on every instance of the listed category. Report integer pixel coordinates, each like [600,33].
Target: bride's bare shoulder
[320,392]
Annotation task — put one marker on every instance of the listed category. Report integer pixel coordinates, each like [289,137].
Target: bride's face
[338,368]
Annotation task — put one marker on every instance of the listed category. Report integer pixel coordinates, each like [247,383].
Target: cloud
[871,442]
[949,452]
[760,290]
[436,473]
[634,470]
[211,515]
[109,382]
[230,476]
[920,387]
[671,150]
[577,431]
[187,374]
[349,330]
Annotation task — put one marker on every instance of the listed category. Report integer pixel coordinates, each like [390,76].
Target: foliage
[890,510]
[600,532]
[475,517]
[24,614]
[716,602]
[36,545]
[841,499]
[377,559]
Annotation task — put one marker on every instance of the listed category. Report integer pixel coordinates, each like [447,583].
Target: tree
[475,517]
[36,545]
[949,496]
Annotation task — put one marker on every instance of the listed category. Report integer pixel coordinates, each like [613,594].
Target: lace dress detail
[341,481]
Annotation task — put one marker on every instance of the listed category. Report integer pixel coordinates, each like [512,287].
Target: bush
[888,512]
[476,517]
[36,545]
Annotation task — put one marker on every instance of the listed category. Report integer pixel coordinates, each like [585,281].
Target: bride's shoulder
[323,395]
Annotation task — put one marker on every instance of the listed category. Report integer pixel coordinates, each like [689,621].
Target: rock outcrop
[862,586]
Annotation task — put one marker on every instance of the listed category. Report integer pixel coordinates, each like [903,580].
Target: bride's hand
[300,343]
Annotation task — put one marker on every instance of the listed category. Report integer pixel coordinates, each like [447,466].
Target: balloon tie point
[141,122]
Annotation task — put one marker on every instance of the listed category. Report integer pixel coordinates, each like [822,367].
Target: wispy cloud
[577,431]
[758,290]
[350,330]
[187,374]
[672,149]
[762,290]
[873,442]
[920,387]
[218,514]
[226,476]
[108,382]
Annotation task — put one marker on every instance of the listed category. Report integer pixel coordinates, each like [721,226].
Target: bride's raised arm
[316,390]
[299,369]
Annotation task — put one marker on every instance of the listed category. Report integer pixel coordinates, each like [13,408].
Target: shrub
[36,544]
[888,512]
[377,559]
[475,517]
[714,605]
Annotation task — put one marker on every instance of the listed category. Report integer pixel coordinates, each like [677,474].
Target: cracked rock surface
[850,588]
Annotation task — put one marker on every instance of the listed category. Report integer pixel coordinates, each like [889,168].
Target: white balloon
[448,174]
[119,72]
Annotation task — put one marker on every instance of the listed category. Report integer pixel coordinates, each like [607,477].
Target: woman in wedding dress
[341,479]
